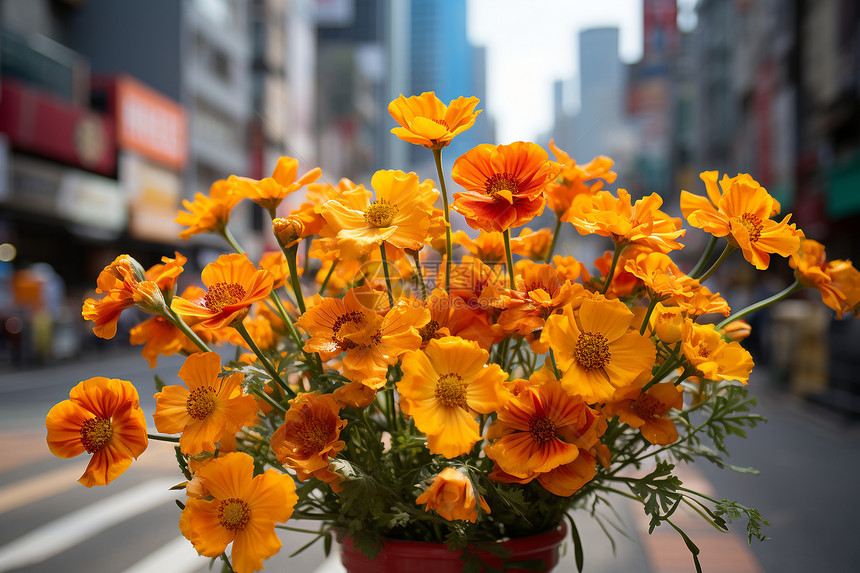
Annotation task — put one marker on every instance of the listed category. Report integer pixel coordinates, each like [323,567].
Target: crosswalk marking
[177,556]
[38,487]
[55,537]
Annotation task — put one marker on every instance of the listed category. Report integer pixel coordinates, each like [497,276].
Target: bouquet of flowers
[387,390]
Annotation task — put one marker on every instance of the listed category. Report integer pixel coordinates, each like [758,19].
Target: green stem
[788,291]
[616,254]
[506,237]
[726,252]
[703,260]
[437,157]
[387,277]
[228,236]
[392,411]
[554,365]
[243,332]
[291,254]
[328,276]
[291,328]
[652,304]
[177,321]
[417,258]
[268,399]
[163,438]
[555,235]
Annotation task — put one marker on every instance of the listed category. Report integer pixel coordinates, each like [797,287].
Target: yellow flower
[742,213]
[713,357]
[209,214]
[309,436]
[210,405]
[397,217]
[233,284]
[425,120]
[442,388]
[371,340]
[576,179]
[596,350]
[270,191]
[243,510]
[642,223]
[837,281]
[647,410]
[452,496]
[102,417]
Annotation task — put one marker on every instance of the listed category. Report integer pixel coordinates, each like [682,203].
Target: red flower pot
[422,557]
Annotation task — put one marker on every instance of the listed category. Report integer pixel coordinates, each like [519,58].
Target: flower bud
[149,298]
[289,230]
[736,330]
[667,322]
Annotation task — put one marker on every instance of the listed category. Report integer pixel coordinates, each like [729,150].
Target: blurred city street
[808,455]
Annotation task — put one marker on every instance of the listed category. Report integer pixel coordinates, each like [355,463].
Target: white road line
[55,537]
[39,487]
[177,556]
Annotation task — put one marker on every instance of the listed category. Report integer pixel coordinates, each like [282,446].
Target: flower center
[647,406]
[233,514]
[451,390]
[442,122]
[314,435]
[752,223]
[542,429]
[380,213]
[95,433]
[428,331]
[220,295]
[591,350]
[501,182]
[200,403]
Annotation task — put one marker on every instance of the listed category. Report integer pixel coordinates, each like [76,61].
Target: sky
[532,43]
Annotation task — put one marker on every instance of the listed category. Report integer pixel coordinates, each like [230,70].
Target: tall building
[599,127]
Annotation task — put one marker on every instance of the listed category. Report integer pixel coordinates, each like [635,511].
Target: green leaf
[694,549]
[578,556]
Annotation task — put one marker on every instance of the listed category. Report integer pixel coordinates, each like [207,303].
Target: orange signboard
[150,123]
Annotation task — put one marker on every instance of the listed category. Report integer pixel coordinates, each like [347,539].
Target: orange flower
[166,273]
[596,350]
[623,283]
[575,179]
[667,323]
[125,285]
[642,223]
[276,263]
[425,120]
[372,341]
[270,191]
[243,510]
[101,417]
[532,245]
[504,184]
[450,315]
[713,357]
[660,276]
[209,214]
[568,268]
[233,284]
[398,217]
[442,388]
[210,406]
[648,411]
[742,214]
[310,436]
[488,247]
[539,293]
[452,496]
[540,430]
[319,193]
[813,270]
